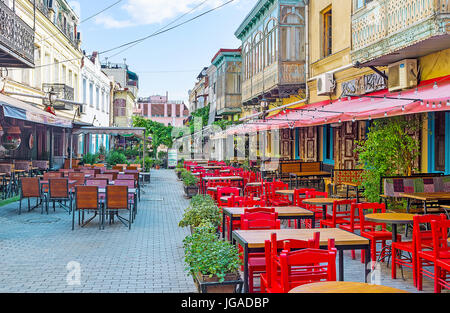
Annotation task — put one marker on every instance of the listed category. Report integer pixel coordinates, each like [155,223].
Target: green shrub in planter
[202,208]
[116,157]
[189,179]
[206,254]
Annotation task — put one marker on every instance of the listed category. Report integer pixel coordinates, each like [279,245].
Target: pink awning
[429,96]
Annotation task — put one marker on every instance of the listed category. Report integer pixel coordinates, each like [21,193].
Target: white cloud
[144,12]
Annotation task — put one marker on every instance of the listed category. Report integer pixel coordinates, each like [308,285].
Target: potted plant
[179,171]
[213,263]
[157,163]
[102,153]
[201,208]
[190,184]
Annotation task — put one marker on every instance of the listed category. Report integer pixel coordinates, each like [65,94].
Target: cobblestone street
[36,249]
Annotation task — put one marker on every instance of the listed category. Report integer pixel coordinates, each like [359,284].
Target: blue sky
[171,61]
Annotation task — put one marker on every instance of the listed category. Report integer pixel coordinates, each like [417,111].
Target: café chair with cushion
[87,199]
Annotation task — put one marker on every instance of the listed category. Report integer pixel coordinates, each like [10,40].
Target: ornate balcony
[273,51]
[16,40]
[63,92]
[386,31]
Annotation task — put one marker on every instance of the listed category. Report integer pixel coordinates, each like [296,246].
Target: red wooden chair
[370,233]
[338,217]
[294,268]
[275,199]
[421,240]
[272,247]
[354,224]
[226,191]
[441,249]
[298,196]
[317,209]
[255,221]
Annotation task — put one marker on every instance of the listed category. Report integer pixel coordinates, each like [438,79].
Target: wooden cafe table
[391,218]
[253,241]
[344,287]
[425,197]
[284,213]
[324,202]
[220,178]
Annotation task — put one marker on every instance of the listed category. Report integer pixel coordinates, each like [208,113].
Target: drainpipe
[307,47]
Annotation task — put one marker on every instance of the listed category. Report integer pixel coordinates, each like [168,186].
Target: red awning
[429,96]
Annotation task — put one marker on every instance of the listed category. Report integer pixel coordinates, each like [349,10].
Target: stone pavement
[40,253]
[36,250]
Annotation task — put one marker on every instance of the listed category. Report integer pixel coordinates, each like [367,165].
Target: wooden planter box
[190,191]
[205,284]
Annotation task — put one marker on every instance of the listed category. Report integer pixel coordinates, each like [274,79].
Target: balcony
[387,31]
[62,92]
[16,40]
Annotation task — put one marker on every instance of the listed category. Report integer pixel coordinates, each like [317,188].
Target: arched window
[258,47]
[292,38]
[271,41]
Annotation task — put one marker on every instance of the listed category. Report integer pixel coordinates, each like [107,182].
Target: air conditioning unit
[402,75]
[325,84]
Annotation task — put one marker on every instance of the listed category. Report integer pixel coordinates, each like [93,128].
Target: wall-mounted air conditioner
[325,84]
[402,75]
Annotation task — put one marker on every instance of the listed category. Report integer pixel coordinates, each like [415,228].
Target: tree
[389,150]
[161,134]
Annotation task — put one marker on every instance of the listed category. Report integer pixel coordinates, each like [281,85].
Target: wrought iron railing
[16,36]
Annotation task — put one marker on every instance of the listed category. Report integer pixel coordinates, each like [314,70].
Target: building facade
[198,97]
[163,110]
[96,91]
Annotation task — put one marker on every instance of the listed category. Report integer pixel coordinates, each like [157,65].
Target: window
[361,3]
[84,90]
[97,99]
[328,155]
[56,71]
[91,94]
[327,32]
[120,107]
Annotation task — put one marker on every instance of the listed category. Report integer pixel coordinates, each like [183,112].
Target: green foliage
[116,157]
[223,124]
[162,155]
[131,153]
[148,163]
[90,158]
[201,209]
[208,255]
[102,150]
[188,178]
[388,150]
[202,113]
[161,134]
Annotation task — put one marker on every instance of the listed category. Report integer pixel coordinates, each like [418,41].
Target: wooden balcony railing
[385,26]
